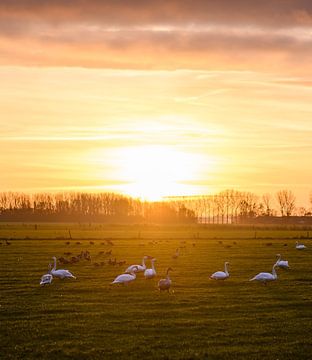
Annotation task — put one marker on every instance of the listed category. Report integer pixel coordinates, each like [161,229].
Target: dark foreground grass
[202,319]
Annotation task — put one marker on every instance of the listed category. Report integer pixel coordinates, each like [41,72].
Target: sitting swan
[61,273]
[281,263]
[265,276]
[150,273]
[221,275]
[164,284]
[126,278]
[300,246]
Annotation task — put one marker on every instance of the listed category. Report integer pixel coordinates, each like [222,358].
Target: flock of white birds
[165,284]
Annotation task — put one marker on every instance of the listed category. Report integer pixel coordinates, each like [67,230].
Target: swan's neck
[143,262]
[168,277]
[274,272]
[226,269]
[54,267]
[153,267]
[279,258]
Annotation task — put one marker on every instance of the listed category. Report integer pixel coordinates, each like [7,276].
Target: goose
[221,275]
[164,284]
[139,268]
[265,276]
[300,246]
[126,277]
[150,273]
[281,263]
[61,273]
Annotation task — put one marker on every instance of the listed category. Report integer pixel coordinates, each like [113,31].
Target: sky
[158,98]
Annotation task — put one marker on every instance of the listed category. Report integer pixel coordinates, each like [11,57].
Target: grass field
[202,319]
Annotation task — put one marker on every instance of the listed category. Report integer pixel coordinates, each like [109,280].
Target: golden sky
[156,98]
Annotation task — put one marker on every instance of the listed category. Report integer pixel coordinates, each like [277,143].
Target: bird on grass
[150,273]
[139,268]
[165,284]
[281,263]
[300,246]
[221,275]
[61,273]
[265,277]
[126,277]
[46,279]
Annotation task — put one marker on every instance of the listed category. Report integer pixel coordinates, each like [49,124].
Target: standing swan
[164,284]
[150,273]
[61,273]
[126,278]
[300,246]
[139,268]
[221,275]
[265,277]
[281,263]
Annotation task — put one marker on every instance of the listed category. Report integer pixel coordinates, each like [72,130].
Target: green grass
[202,319]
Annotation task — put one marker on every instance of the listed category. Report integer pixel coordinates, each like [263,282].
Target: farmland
[201,318]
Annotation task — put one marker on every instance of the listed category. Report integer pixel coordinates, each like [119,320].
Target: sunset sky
[154,98]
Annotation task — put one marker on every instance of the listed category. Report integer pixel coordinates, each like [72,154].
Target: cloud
[159,35]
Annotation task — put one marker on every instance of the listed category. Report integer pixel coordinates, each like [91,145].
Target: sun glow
[152,172]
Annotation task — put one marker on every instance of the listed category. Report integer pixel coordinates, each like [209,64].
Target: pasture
[201,319]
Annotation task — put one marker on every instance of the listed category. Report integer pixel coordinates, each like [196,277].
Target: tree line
[97,207]
[226,207]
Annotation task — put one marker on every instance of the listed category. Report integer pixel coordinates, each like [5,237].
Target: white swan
[165,284]
[46,279]
[300,246]
[221,275]
[150,273]
[281,263]
[265,276]
[61,273]
[126,278]
[139,268]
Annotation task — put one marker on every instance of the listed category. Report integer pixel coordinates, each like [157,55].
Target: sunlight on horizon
[152,172]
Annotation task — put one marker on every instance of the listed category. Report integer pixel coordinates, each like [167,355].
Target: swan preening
[281,263]
[61,273]
[126,277]
[46,279]
[266,276]
[150,273]
[221,275]
[165,284]
[138,268]
[300,246]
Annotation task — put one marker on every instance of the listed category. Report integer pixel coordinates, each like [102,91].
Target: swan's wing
[123,278]
[218,275]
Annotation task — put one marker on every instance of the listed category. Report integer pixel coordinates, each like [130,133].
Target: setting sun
[152,172]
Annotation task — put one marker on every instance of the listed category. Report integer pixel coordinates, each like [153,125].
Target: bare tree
[286,200]
[267,198]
